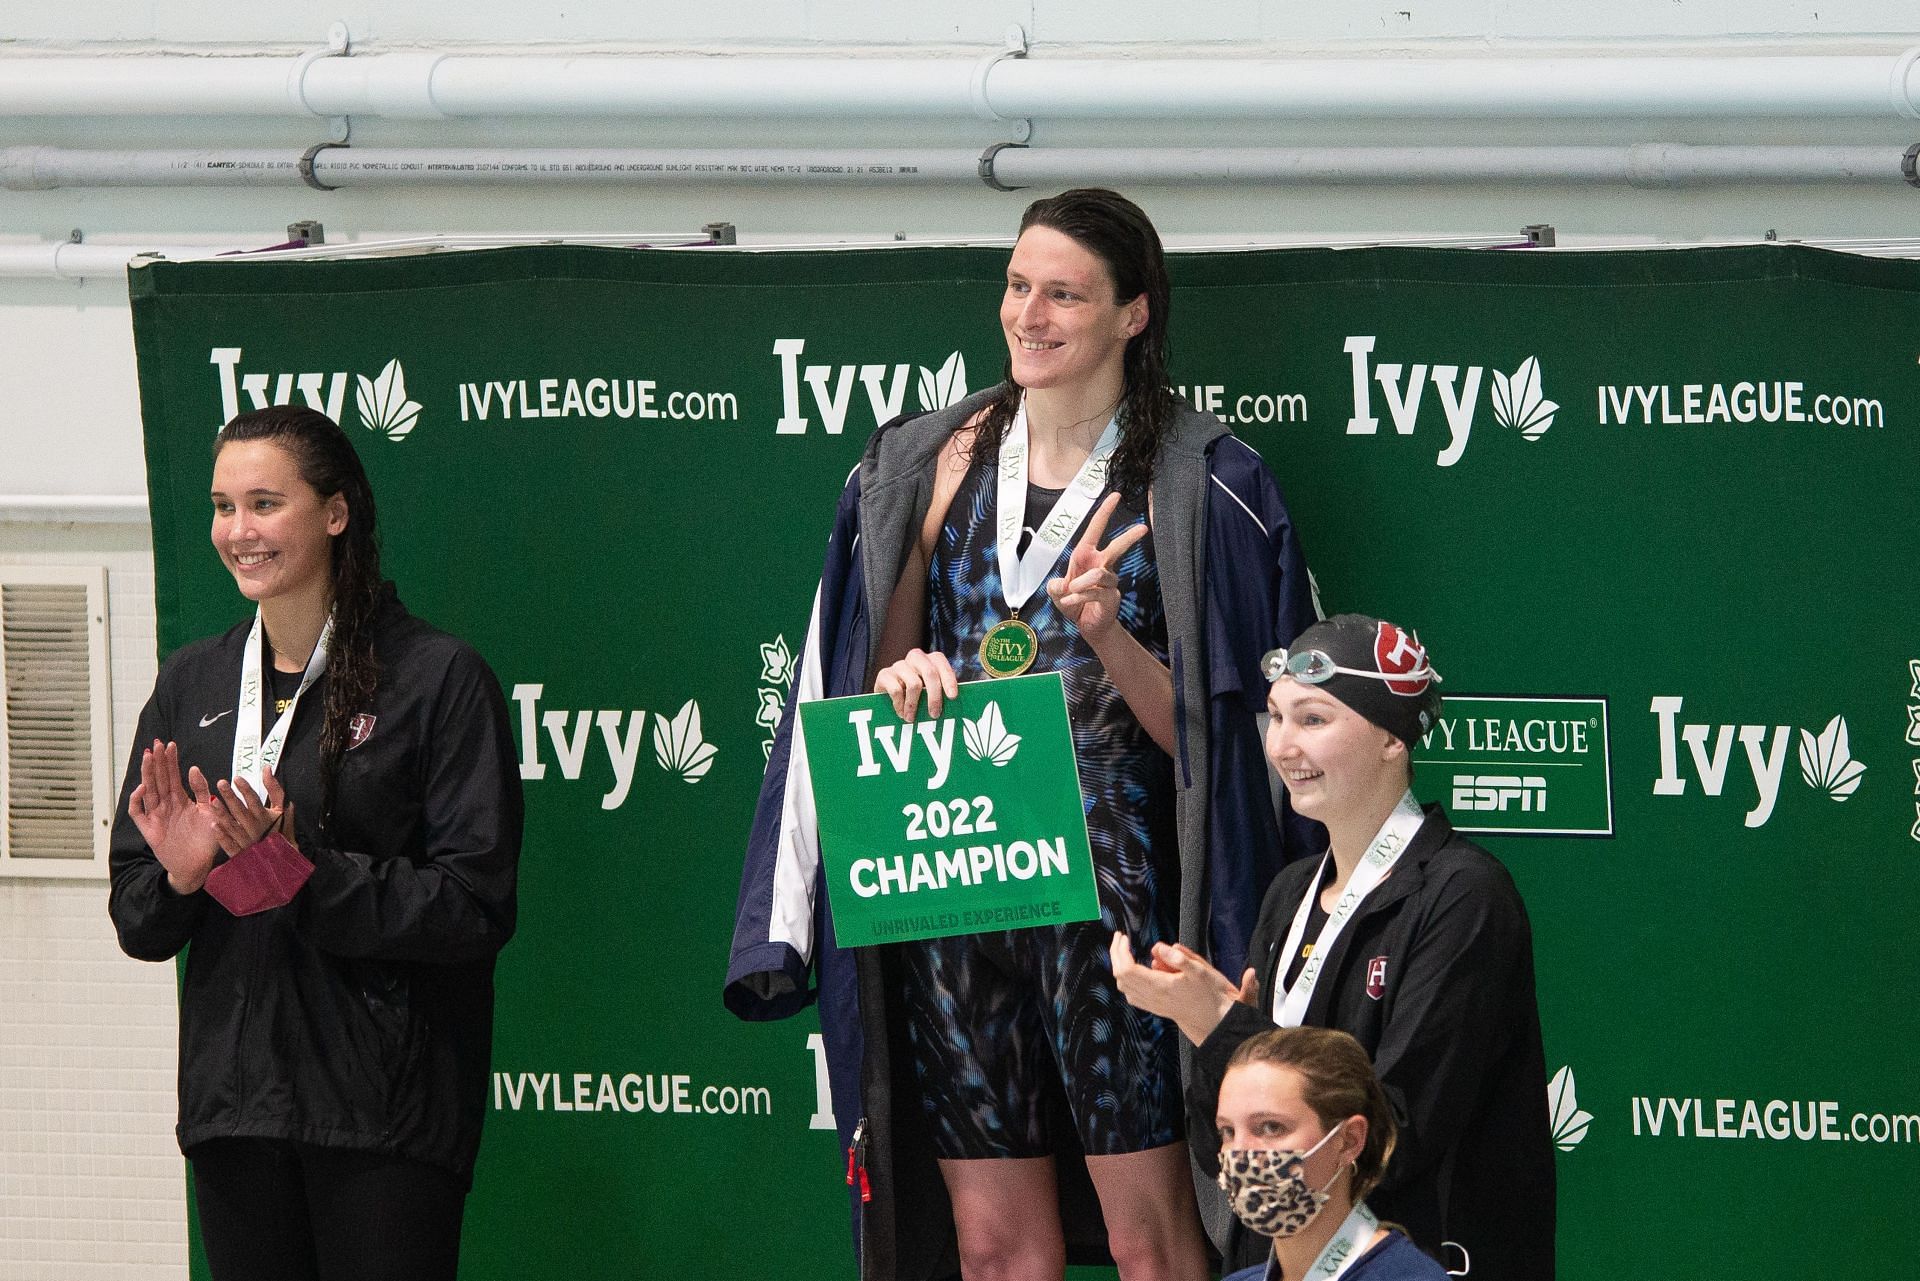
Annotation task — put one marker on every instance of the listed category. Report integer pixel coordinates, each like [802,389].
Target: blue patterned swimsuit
[993,1016]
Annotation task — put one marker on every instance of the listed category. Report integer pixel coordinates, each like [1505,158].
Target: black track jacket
[1454,1032]
[360,1015]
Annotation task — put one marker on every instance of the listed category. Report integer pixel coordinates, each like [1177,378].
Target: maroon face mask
[263,876]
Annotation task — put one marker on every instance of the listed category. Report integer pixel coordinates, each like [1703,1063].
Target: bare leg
[1007,1213]
[1153,1225]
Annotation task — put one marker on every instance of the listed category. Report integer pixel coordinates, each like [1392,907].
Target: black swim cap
[1407,708]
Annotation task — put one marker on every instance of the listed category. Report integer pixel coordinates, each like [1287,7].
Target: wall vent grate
[54,723]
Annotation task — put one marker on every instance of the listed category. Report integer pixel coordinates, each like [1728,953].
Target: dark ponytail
[328,463]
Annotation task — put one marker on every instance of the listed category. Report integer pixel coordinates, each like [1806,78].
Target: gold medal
[1009,648]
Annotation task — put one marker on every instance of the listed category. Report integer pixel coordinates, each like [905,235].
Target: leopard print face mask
[1267,1187]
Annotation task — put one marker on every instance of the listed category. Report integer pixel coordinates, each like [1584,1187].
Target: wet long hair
[1339,1082]
[327,462]
[1118,233]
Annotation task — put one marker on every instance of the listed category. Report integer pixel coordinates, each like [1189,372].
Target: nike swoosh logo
[208,720]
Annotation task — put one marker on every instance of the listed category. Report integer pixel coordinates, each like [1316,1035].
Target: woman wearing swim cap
[1305,1134]
[1403,934]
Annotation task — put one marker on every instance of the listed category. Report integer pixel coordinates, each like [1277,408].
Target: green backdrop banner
[1659,503]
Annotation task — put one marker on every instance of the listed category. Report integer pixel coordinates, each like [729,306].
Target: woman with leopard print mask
[1305,1132]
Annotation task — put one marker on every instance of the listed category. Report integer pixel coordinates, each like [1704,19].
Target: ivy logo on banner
[678,746]
[831,389]
[776,673]
[1518,401]
[1569,1122]
[606,743]
[1913,738]
[952,824]
[948,387]
[380,400]
[383,403]
[1825,763]
[1518,404]
[1825,758]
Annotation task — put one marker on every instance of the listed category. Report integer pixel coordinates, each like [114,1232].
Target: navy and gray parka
[1234,584]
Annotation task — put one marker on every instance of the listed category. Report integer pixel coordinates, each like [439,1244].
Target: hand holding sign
[903,682]
[1089,594]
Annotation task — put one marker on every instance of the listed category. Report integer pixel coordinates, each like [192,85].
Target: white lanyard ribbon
[251,753]
[1021,575]
[1349,1242]
[1290,1006]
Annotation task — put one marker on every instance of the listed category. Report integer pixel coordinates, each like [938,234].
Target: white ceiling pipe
[538,167]
[830,88]
[1463,88]
[45,168]
[1006,167]
[435,85]
[91,509]
[72,260]
[430,86]
[1643,165]
[144,86]
[1676,165]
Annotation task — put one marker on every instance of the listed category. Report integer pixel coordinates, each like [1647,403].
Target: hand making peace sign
[1089,594]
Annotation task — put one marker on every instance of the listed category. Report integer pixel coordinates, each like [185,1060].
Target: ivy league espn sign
[1518,766]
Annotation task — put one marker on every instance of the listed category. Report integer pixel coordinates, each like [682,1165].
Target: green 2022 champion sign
[968,821]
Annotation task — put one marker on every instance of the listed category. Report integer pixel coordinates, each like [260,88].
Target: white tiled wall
[91,1183]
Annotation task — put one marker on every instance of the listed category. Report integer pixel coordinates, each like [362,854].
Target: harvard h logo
[1376,977]
[1398,651]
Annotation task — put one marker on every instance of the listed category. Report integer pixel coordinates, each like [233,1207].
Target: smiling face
[1064,328]
[273,532]
[1334,761]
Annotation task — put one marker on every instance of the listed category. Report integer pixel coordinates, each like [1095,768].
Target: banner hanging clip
[306,164]
[987,157]
[339,45]
[1015,46]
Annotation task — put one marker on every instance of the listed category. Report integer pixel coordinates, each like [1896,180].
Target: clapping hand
[1180,985]
[242,816]
[177,827]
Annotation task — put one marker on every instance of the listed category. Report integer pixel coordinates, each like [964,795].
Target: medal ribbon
[1348,1238]
[251,753]
[1021,575]
[1290,1007]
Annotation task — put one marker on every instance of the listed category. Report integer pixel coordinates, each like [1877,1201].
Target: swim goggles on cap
[1316,667]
